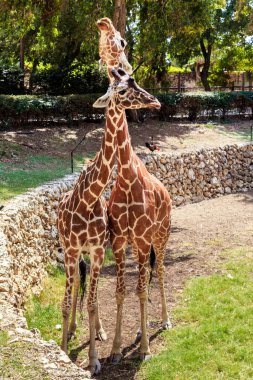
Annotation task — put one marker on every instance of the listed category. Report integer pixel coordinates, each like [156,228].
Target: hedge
[207,104]
[19,109]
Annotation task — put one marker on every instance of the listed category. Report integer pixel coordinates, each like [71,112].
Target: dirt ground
[199,231]
[169,136]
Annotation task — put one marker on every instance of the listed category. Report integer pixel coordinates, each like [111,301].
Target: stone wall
[28,236]
[28,239]
[208,173]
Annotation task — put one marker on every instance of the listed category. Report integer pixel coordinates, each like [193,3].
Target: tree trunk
[119,16]
[207,59]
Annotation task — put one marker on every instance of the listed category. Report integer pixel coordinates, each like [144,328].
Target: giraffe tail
[82,287]
[152,259]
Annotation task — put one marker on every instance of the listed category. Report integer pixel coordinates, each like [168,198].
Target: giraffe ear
[102,102]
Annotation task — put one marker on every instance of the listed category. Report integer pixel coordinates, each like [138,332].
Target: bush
[75,80]
[10,80]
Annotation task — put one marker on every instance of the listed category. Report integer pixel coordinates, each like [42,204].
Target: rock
[191,174]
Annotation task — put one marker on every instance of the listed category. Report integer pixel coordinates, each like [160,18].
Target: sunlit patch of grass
[215,242]
[238,134]
[213,337]
[16,178]
[3,338]
[44,311]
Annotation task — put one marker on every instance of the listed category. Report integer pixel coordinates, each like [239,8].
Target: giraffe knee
[120,297]
[143,296]
[92,307]
[66,308]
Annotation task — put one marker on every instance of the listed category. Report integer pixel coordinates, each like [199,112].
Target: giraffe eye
[122,92]
[122,42]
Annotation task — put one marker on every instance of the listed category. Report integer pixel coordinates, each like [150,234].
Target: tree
[205,25]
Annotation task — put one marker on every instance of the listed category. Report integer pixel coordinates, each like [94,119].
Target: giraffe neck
[95,178]
[125,154]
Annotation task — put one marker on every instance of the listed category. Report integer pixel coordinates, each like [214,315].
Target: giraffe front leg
[160,252]
[101,334]
[142,293]
[119,253]
[73,324]
[97,258]
[71,258]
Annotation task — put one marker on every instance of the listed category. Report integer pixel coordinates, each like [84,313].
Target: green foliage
[194,104]
[78,79]
[19,109]
[213,337]
[10,78]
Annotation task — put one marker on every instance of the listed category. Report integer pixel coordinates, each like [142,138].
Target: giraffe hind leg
[71,258]
[118,246]
[73,324]
[142,292]
[97,258]
[160,253]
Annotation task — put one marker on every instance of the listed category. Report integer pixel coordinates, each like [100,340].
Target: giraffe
[83,228]
[111,47]
[139,208]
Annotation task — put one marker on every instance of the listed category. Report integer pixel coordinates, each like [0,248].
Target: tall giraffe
[139,209]
[111,47]
[83,228]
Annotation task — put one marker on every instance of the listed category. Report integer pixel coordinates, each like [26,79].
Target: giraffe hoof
[71,335]
[95,368]
[115,358]
[138,336]
[145,357]
[167,325]
[102,336]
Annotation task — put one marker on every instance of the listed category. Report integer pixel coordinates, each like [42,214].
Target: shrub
[75,80]
[10,80]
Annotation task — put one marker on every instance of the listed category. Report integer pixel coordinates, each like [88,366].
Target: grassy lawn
[29,170]
[214,332]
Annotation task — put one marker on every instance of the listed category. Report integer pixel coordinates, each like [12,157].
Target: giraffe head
[126,94]
[112,46]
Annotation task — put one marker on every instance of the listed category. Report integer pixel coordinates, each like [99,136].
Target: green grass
[3,338]
[44,311]
[214,334]
[28,171]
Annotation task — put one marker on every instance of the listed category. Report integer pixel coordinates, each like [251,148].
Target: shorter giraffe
[139,207]
[111,47]
[83,228]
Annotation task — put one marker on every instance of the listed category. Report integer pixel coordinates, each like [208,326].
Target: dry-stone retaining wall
[28,239]
[208,173]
